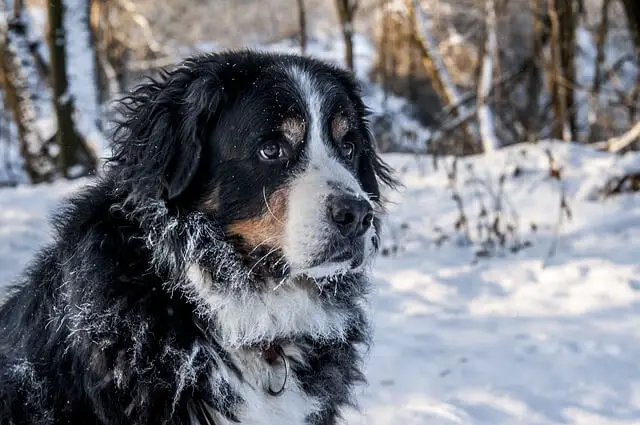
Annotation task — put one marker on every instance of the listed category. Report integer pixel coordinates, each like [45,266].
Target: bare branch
[617,144]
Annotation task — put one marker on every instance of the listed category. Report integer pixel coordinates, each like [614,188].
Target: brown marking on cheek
[266,230]
[293,130]
[339,127]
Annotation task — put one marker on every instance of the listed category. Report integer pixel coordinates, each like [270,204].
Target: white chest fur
[292,407]
[252,318]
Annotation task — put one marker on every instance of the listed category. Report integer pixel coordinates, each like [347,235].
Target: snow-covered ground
[518,338]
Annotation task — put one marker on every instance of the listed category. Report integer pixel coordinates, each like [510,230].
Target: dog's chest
[258,407]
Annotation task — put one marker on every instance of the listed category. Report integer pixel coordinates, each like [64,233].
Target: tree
[632,10]
[16,68]
[73,146]
[562,67]
[346,14]
[485,114]
[302,22]
[539,37]
[601,37]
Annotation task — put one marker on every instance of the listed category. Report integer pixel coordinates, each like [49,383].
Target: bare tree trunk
[632,10]
[385,43]
[93,45]
[302,22]
[346,14]
[562,69]
[73,146]
[594,107]
[17,64]
[568,54]
[486,120]
[535,75]
[106,76]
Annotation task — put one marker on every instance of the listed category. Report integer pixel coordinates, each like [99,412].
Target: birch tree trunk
[17,66]
[73,146]
[488,136]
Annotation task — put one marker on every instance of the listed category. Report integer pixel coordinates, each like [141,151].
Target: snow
[517,338]
[514,338]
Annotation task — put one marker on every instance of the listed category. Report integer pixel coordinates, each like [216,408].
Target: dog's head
[275,148]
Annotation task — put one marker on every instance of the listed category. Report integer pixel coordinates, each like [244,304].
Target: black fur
[104,328]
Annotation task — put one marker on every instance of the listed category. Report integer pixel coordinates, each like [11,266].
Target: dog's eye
[271,151]
[347,149]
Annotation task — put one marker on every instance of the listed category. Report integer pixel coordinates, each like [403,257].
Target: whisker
[264,195]
[262,243]
[279,260]
[282,282]
[261,259]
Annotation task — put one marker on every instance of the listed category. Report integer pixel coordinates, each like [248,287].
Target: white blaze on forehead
[309,229]
[322,160]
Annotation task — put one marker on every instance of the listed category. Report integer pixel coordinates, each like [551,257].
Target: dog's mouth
[345,257]
[338,257]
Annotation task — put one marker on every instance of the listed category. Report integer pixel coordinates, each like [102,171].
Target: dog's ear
[157,144]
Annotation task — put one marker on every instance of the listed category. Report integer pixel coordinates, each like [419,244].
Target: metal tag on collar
[280,353]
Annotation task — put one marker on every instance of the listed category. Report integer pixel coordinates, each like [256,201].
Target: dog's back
[70,330]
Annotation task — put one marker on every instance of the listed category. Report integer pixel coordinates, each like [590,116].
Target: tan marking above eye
[339,127]
[294,130]
[267,229]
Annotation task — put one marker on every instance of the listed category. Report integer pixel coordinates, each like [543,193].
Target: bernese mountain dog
[215,273]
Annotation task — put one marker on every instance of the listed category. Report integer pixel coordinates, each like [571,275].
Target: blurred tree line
[479,74]
[489,73]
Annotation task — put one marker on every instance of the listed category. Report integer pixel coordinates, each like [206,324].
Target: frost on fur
[202,266]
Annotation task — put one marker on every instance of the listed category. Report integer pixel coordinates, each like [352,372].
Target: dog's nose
[352,216]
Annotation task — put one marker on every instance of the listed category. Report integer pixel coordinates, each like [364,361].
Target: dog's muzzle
[352,236]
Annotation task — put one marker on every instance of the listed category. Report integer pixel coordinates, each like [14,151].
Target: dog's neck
[242,310]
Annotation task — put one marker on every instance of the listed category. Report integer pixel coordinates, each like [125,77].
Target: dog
[216,271]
